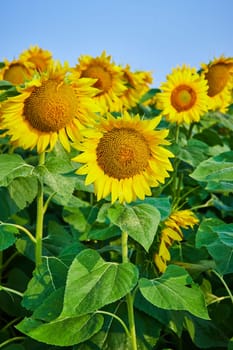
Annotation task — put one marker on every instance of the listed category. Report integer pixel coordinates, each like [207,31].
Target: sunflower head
[49,107]
[37,56]
[184,96]
[172,232]
[137,84]
[108,79]
[124,157]
[219,75]
[16,71]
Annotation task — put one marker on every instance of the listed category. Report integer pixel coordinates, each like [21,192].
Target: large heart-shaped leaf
[217,237]
[140,221]
[62,331]
[93,283]
[175,290]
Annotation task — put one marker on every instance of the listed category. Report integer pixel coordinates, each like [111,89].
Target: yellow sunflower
[219,75]
[137,85]
[124,157]
[172,232]
[109,80]
[184,96]
[16,71]
[39,57]
[50,107]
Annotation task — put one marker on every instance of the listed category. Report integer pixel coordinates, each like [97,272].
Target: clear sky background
[151,35]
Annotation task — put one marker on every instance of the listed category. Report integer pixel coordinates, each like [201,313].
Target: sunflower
[16,71]
[219,75]
[50,107]
[184,96]
[137,85]
[39,57]
[109,80]
[172,232]
[124,157]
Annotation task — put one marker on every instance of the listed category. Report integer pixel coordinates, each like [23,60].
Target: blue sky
[152,35]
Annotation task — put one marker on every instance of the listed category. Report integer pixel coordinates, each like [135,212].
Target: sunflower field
[116,205]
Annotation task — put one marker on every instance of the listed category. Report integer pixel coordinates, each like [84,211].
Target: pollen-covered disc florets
[50,107]
[124,157]
[183,97]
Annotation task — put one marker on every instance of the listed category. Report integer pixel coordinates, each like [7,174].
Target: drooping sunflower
[39,57]
[219,75]
[171,233]
[50,107]
[137,84]
[109,79]
[124,157]
[16,71]
[184,96]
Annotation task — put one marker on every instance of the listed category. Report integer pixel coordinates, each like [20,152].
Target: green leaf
[220,186]
[93,283]
[58,238]
[51,306]
[148,95]
[163,204]
[12,166]
[4,84]
[113,337]
[48,277]
[59,185]
[103,233]
[140,221]
[217,238]
[68,254]
[173,319]
[14,347]
[175,290]
[218,168]
[7,205]
[194,152]
[56,166]
[62,331]
[23,190]
[58,161]
[75,217]
[230,345]
[204,333]
[7,236]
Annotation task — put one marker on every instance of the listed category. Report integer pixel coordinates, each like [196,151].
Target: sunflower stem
[40,216]
[129,296]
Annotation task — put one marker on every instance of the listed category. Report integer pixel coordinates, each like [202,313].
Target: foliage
[75,299]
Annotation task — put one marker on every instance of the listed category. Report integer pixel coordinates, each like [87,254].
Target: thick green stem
[40,216]
[129,297]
